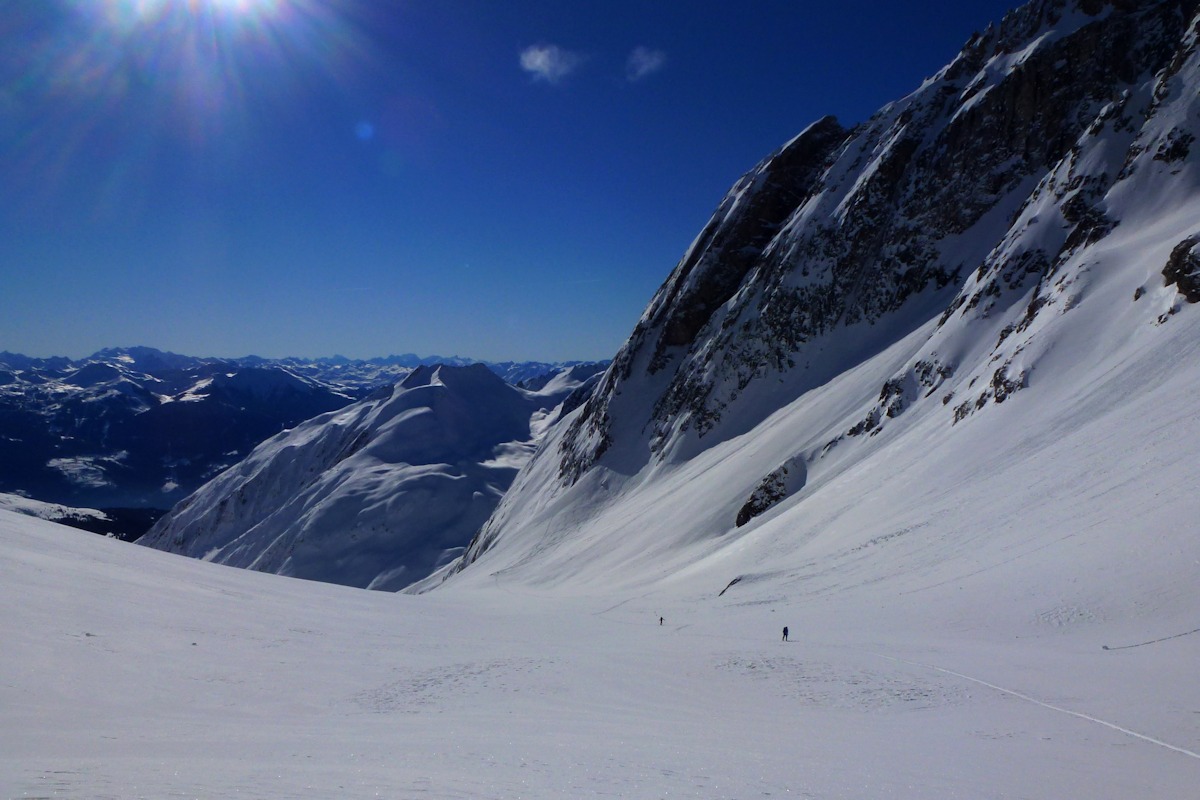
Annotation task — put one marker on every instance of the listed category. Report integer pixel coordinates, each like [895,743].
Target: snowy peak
[375,495]
[747,219]
[146,359]
[469,378]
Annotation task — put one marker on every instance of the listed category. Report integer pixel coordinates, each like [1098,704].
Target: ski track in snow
[1153,641]
[1044,704]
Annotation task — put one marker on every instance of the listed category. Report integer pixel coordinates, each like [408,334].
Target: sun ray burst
[144,75]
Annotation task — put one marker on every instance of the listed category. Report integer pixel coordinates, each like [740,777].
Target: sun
[200,65]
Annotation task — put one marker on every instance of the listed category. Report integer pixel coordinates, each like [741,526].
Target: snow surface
[131,673]
[50,511]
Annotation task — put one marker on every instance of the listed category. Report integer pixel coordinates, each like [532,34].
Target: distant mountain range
[117,523]
[142,428]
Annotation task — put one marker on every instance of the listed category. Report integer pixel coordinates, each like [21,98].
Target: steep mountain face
[1038,197]
[378,494]
[138,427]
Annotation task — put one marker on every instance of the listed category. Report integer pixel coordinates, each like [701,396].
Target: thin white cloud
[549,62]
[644,61]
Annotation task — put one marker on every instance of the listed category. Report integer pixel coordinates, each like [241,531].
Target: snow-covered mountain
[126,524]
[994,274]
[139,427]
[360,377]
[64,515]
[378,494]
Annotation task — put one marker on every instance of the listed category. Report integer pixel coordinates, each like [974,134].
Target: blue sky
[509,179]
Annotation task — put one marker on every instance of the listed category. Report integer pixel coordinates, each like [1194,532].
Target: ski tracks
[1042,703]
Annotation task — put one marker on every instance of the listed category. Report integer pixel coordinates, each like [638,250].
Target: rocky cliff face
[961,220]
[839,228]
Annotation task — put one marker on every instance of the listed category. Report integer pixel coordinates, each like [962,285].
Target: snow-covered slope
[375,495]
[47,511]
[991,277]
[130,673]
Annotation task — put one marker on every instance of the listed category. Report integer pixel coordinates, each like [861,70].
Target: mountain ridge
[375,495]
[141,427]
[931,269]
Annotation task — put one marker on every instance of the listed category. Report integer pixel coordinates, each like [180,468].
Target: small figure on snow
[785,633]
[660,620]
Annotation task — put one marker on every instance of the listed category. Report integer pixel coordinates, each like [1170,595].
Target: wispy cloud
[644,61]
[549,62]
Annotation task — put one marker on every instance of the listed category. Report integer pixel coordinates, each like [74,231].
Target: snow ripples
[827,685]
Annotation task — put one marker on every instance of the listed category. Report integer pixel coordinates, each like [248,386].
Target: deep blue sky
[500,179]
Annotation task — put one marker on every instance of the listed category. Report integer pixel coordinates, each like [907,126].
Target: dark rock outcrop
[1183,269]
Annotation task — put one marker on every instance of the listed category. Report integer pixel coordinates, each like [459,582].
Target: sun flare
[154,8]
[198,61]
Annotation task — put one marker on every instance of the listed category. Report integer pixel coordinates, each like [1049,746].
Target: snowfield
[132,673]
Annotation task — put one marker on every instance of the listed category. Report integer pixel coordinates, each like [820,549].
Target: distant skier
[660,620]
[785,633]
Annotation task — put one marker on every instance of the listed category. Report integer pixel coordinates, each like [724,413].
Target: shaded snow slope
[963,309]
[376,495]
[131,673]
